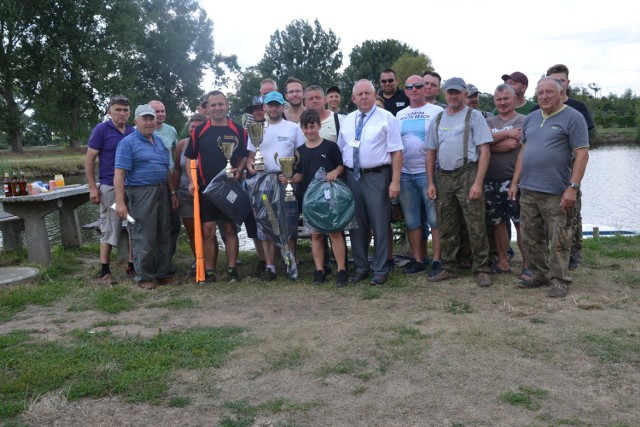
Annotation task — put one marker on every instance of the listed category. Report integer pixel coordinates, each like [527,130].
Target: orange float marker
[197,224]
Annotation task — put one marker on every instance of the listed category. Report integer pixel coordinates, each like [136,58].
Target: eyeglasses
[416,86]
[384,82]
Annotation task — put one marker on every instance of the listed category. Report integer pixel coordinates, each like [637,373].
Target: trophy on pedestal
[287,164]
[227,148]
[256,133]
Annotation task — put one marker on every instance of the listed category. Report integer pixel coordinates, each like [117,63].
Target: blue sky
[476,40]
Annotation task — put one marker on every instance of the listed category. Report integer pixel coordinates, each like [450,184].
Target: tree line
[61,60]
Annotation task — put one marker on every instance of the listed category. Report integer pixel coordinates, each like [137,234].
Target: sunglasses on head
[417,86]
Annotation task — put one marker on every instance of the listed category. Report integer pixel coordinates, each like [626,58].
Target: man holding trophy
[218,144]
[280,140]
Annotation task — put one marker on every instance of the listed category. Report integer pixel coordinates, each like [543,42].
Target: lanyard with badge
[356,141]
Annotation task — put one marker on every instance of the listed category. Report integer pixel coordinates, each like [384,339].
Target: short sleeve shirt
[105,139]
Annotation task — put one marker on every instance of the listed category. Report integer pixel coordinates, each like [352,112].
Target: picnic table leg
[35,229]
[69,223]
[12,234]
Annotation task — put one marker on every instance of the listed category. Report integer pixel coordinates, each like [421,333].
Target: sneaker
[573,264]
[341,279]
[267,275]
[131,271]
[147,285]
[232,275]
[577,256]
[260,267]
[210,276]
[318,277]
[108,279]
[442,275]
[328,269]
[484,281]
[436,267]
[414,267]
[559,290]
[465,264]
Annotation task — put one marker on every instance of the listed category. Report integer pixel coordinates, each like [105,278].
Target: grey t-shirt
[548,155]
[502,165]
[450,139]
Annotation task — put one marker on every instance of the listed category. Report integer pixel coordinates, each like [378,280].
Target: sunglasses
[384,82]
[417,86]
[121,100]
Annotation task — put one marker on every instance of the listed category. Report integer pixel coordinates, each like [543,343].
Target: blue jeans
[416,205]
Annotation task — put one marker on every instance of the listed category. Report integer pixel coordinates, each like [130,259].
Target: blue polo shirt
[144,162]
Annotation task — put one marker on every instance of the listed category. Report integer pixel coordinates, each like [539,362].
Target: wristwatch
[575,186]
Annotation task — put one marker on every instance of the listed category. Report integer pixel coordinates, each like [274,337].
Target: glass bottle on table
[15,185]
[7,185]
[22,183]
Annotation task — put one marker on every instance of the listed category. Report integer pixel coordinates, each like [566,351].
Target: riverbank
[408,353]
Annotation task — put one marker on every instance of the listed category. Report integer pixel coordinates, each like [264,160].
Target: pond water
[608,195]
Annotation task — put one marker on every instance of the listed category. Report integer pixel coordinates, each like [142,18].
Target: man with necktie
[371,148]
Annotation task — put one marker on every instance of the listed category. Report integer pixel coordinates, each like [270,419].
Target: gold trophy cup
[227,149]
[287,164]
[256,133]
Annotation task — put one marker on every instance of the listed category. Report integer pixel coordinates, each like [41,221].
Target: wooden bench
[12,228]
[123,244]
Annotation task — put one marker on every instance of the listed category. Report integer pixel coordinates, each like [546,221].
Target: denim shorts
[416,204]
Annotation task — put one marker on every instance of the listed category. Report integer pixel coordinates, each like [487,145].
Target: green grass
[175,304]
[291,358]
[615,247]
[619,346]
[109,300]
[454,306]
[101,364]
[526,397]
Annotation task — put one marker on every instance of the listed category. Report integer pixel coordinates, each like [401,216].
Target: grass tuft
[525,397]
[454,306]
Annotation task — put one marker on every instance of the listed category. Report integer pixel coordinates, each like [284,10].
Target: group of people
[459,174]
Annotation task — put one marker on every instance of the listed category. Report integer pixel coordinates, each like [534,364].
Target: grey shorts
[110,222]
[186,203]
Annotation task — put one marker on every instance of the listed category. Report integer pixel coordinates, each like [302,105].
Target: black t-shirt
[326,155]
[204,147]
[397,102]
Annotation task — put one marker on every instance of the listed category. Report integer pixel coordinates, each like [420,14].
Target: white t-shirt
[414,124]
[282,138]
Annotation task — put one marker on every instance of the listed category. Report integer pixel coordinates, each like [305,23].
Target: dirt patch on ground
[411,353]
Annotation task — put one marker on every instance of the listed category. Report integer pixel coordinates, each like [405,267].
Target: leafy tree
[369,59]
[302,51]
[24,55]
[171,56]
[247,86]
[80,32]
[409,64]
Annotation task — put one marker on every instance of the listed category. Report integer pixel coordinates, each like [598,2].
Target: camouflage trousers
[453,198]
[547,234]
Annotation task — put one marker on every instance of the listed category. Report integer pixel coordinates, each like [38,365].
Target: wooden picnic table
[34,208]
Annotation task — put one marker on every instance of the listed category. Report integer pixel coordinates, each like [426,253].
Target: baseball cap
[256,101]
[203,100]
[455,83]
[517,76]
[333,89]
[274,97]
[145,110]
[471,90]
